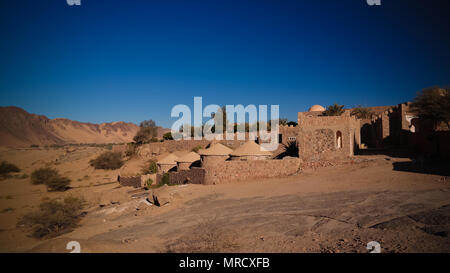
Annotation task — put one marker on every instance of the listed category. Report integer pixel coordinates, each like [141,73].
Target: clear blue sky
[131,60]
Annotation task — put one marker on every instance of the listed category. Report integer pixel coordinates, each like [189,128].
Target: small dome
[168,160]
[189,158]
[316,108]
[250,148]
[216,149]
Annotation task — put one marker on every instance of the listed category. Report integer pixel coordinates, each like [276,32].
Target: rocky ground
[335,209]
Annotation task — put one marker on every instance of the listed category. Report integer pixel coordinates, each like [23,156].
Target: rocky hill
[18,128]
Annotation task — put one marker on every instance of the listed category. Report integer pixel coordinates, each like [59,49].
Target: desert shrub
[150,168]
[147,131]
[107,161]
[165,180]
[168,136]
[196,148]
[58,184]
[131,149]
[34,146]
[53,217]
[51,178]
[154,139]
[148,183]
[7,168]
[41,175]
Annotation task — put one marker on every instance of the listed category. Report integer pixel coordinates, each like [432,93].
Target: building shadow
[425,167]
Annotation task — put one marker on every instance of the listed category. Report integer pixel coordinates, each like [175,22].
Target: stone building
[167,164]
[214,154]
[327,137]
[187,161]
[250,151]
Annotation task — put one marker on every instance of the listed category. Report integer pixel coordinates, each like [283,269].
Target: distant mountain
[18,128]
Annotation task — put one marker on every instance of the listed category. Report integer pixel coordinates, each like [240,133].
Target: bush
[107,161]
[147,131]
[7,168]
[34,146]
[148,183]
[51,178]
[196,149]
[165,179]
[151,168]
[168,136]
[53,217]
[131,150]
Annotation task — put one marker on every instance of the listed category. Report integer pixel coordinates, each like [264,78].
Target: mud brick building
[327,137]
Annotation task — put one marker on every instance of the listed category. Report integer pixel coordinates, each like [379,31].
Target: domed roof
[316,108]
[189,158]
[250,148]
[216,149]
[168,160]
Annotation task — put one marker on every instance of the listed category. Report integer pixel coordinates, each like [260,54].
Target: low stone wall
[130,181]
[233,171]
[192,176]
[135,181]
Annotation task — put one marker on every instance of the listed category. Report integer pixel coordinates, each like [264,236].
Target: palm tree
[362,112]
[334,110]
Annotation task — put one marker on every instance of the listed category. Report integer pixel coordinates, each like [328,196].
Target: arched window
[338,139]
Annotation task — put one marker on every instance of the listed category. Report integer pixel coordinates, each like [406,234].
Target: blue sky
[131,60]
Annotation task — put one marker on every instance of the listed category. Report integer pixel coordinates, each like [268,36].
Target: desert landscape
[193,127]
[336,207]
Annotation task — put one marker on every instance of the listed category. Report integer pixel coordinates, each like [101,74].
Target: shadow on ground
[434,167]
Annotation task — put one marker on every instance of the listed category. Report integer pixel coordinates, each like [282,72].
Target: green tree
[334,110]
[433,104]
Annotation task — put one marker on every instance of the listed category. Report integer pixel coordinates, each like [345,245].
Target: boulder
[161,196]
[115,196]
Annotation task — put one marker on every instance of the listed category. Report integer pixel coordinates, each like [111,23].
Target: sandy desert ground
[334,209]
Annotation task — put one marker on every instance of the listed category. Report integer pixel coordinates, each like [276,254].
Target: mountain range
[18,128]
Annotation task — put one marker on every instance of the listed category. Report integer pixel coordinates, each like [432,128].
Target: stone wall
[234,171]
[327,137]
[131,181]
[191,176]
[135,181]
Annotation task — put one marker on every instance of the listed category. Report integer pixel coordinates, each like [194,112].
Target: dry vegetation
[7,168]
[50,178]
[108,161]
[53,217]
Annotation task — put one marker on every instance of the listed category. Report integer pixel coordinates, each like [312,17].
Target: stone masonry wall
[191,176]
[233,171]
[318,136]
